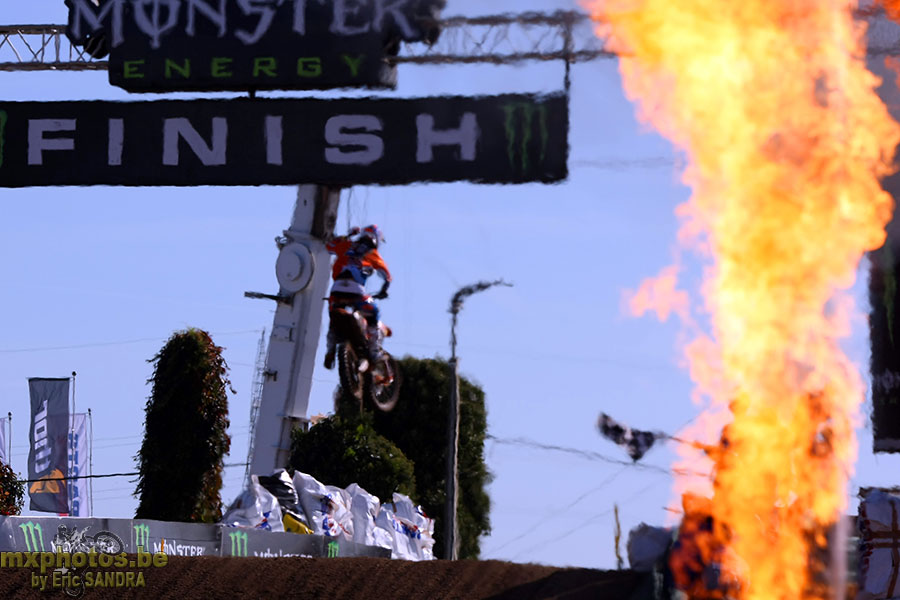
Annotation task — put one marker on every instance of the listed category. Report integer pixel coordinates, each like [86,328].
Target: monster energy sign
[238,543]
[212,45]
[142,536]
[497,139]
[34,536]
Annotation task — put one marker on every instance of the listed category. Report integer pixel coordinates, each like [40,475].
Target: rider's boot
[330,350]
[374,339]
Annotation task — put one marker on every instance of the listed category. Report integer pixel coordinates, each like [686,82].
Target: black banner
[884,334]
[211,45]
[48,436]
[497,139]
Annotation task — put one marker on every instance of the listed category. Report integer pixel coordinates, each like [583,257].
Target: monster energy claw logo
[526,113]
[33,535]
[238,543]
[3,118]
[142,536]
[333,549]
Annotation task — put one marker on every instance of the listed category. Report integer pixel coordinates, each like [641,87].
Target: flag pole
[9,439]
[91,461]
[71,461]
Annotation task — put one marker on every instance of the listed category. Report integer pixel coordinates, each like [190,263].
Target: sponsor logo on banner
[238,543]
[333,549]
[142,536]
[175,548]
[3,118]
[34,536]
[522,118]
[48,456]
[78,463]
[4,459]
[167,45]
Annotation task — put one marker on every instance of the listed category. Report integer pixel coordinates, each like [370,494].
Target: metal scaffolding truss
[506,39]
[42,48]
[500,39]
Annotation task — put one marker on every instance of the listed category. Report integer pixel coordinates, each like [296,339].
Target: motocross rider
[356,260]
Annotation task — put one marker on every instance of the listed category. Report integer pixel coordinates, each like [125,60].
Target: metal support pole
[303,273]
[451,528]
[451,523]
[71,462]
[91,463]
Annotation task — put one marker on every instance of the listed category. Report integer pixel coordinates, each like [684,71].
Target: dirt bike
[376,384]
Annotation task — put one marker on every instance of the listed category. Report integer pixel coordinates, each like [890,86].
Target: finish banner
[514,138]
[47,436]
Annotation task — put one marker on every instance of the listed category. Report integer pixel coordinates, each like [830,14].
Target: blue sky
[127,267]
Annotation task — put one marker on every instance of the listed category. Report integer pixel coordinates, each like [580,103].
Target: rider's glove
[353,231]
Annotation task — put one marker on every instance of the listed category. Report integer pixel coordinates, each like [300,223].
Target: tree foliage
[12,492]
[341,450]
[418,425]
[185,439]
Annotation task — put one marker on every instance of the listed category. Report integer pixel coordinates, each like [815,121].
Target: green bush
[12,492]
[341,450]
[185,439]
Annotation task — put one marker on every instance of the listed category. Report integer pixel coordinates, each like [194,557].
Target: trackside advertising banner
[47,436]
[47,534]
[78,467]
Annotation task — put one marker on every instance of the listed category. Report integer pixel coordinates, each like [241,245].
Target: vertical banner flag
[47,437]
[78,466]
[4,425]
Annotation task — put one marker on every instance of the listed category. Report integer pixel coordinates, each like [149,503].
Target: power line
[477,349]
[588,454]
[105,475]
[581,525]
[116,343]
[656,162]
[555,512]
[238,430]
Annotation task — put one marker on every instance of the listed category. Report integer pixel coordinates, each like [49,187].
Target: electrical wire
[555,512]
[116,343]
[105,475]
[588,454]
[564,535]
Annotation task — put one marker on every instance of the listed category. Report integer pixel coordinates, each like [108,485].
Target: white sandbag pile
[412,533]
[351,513]
[255,508]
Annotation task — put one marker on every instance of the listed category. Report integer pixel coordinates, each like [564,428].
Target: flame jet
[786,141]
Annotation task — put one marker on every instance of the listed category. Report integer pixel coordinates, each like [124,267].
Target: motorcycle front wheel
[382,384]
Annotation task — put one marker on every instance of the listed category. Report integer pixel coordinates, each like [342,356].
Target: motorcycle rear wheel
[352,382]
[382,384]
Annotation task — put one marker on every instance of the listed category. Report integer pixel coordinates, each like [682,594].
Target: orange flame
[891,7]
[787,141]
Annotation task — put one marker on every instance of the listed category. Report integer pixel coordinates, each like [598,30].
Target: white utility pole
[303,269]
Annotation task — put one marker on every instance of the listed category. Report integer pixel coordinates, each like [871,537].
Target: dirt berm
[351,579]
